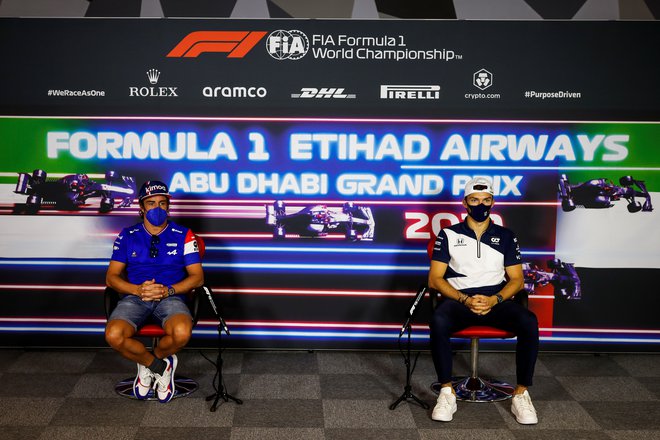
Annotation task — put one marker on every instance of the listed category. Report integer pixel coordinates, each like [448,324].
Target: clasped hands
[151,291]
[481,304]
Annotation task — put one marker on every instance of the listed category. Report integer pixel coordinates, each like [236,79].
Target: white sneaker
[143,382]
[445,407]
[522,408]
[164,384]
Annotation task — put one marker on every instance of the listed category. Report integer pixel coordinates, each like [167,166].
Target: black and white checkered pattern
[323,395]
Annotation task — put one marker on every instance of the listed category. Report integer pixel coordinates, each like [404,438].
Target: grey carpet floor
[69,394]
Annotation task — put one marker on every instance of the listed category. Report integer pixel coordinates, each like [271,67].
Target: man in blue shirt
[154,264]
[476,266]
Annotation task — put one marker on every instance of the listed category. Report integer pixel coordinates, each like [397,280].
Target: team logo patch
[190,244]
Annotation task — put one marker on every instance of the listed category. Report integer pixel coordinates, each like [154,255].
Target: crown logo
[153,75]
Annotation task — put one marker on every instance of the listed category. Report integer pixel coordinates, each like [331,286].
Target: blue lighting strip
[321,266]
[325,265]
[258,332]
[53,262]
[53,329]
[291,249]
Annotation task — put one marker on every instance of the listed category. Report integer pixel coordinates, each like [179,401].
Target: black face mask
[479,212]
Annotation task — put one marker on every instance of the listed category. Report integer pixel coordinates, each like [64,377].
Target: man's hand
[481,304]
[151,291]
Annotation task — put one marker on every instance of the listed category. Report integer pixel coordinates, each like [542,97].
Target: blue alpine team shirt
[476,266]
[177,248]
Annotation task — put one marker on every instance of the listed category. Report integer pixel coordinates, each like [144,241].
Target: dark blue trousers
[451,316]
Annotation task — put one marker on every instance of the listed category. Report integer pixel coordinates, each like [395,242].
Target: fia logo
[287,45]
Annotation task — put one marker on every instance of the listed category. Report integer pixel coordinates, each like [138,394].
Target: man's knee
[440,323]
[446,315]
[528,323]
[116,331]
[181,331]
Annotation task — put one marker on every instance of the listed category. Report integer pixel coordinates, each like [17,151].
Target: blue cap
[153,188]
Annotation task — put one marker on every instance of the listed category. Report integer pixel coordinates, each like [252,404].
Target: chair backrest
[110,298]
[200,246]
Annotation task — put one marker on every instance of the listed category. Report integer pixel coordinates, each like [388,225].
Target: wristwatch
[499,298]
[170,291]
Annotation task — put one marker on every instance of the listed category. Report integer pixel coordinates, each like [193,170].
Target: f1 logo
[236,43]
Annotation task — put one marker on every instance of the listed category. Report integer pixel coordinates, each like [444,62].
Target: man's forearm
[446,289]
[512,287]
[189,283]
[120,285]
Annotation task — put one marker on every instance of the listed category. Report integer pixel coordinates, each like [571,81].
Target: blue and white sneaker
[164,383]
[143,382]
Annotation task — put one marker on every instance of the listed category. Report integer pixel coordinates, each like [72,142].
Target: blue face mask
[479,212]
[157,216]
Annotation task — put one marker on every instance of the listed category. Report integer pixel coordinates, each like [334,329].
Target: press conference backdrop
[318,158]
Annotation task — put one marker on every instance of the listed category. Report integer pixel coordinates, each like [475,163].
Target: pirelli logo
[409,92]
[236,44]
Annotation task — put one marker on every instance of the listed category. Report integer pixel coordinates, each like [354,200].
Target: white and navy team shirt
[476,266]
[177,248]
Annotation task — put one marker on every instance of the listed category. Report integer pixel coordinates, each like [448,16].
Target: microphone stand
[221,392]
[407,390]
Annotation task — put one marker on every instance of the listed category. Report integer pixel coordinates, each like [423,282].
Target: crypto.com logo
[482,79]
[236,43]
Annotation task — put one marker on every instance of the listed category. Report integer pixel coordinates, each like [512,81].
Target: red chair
[473,388]
[183,385]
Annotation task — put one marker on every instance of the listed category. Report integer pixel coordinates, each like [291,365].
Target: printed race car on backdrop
[562,276]
[72,191]
[355,222]
[600,193]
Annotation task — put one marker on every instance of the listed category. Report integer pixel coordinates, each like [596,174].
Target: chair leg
[477,389]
